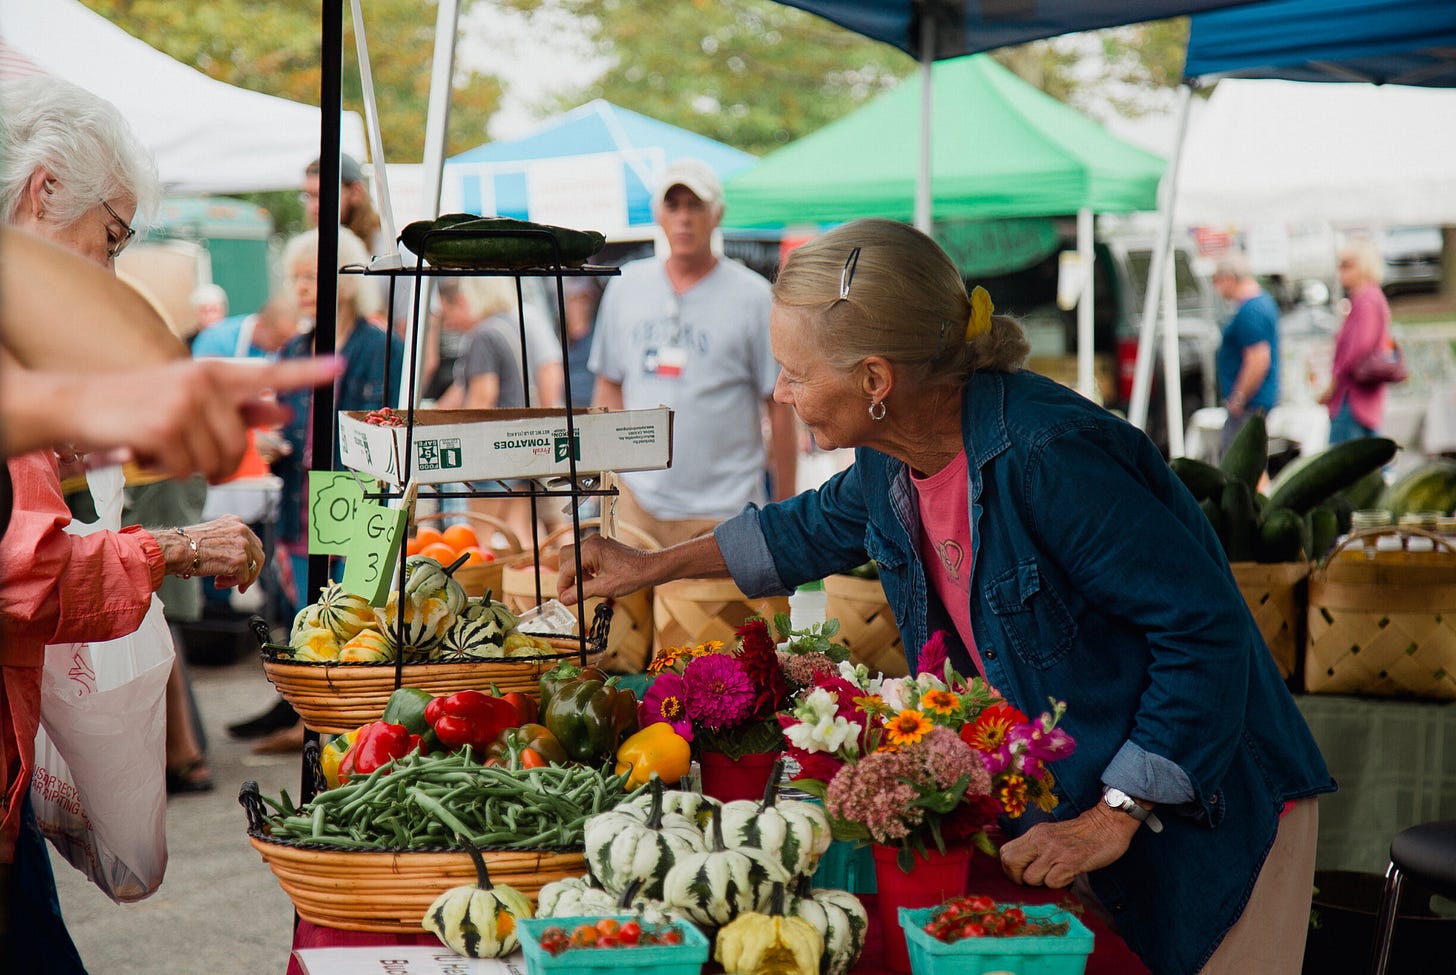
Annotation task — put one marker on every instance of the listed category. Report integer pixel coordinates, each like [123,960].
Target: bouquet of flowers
[727,700]
[933,759]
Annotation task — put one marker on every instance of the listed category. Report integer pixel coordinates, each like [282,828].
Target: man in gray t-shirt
[691,332]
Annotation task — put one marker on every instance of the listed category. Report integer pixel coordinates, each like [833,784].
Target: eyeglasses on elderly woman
[115,245]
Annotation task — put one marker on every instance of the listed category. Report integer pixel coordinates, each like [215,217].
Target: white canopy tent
[208,137]
[1270,151]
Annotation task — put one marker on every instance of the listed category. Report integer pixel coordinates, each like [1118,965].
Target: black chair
[1427,854]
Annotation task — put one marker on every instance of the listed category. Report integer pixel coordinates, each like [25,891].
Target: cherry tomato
[608,926]
[630,933]
[672,936]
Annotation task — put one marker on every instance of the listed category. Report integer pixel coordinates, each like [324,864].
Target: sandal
[192,776]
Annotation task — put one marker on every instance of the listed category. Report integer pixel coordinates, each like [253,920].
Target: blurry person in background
[259,335]
[1248,356]
[1357,408]
[583,296]
[209,307]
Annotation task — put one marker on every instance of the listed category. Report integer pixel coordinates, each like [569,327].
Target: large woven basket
[477,580]
[630,640]
[1384,625]
[866,625]
[1278,599]
[335,698]
[697,610]
[389,892]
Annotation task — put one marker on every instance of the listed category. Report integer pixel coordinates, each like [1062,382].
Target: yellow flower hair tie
[982,308]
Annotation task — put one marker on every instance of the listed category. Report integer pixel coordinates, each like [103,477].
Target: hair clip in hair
[982,308]
[846,277]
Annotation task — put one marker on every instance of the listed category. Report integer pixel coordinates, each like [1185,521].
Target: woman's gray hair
[1367,257]
[82,140]
[906,301]
[352,252]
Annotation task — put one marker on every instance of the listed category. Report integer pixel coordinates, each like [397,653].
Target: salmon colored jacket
[56,587]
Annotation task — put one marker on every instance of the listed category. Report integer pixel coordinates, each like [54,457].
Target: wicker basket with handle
[478,579]
[866,625]
[688,611]
[1277,596]
[630,639]
[1383,625]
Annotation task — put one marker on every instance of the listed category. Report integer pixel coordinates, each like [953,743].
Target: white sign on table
[403,960]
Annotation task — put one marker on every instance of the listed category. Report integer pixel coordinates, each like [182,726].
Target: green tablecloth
[1395,762]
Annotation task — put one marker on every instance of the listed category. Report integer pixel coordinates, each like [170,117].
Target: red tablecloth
[1110,956]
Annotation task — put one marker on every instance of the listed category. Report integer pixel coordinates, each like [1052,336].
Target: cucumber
[1215,517]
[1237,505]
[1324,528]
[413,235]
[1365,492]
[1202,480]
[509,252]
[1248,453]
[1332,470]
[1282,537]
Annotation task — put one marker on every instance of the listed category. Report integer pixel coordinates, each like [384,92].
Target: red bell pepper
[470,718]
[375,744]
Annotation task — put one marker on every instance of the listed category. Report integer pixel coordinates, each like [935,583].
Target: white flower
[820,729]
[892,692]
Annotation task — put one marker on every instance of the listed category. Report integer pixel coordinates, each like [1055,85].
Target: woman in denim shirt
[1076,567]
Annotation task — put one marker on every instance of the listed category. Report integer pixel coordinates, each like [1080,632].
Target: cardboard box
[485,445]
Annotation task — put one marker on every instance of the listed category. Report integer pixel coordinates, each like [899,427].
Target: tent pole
[437,127]
[1137,411]
[1172,372]
[1086,381]
[923,214]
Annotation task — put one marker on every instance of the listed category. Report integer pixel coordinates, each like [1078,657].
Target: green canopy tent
[1001,149]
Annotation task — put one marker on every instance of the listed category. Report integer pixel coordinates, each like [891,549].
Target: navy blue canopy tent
[1399,42]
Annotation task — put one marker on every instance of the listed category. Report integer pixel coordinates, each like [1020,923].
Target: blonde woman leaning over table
[1049,538]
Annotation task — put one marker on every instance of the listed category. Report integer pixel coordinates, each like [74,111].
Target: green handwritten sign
[372,560]
[333,501]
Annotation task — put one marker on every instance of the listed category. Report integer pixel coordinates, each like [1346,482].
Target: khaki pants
[666,531]
[1268,937]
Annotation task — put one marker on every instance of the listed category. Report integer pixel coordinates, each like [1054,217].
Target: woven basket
[335,698]
[1385,625]
[697,610]
[630,640]
[478,579]
[866,624]
[1278,598]
[389,892]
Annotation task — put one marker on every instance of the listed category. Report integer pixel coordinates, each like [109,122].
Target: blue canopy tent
[1408,42]
[593,166]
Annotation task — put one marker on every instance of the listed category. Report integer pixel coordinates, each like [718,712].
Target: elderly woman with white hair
[72,172]
[1357,406]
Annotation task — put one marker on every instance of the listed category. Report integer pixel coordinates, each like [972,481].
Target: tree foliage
[274,48]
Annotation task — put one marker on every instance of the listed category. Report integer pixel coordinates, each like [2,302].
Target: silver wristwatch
[1119,800]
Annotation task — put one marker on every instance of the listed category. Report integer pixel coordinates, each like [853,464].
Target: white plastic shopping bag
[99,787]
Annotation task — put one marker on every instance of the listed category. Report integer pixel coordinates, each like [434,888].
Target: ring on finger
[252,566]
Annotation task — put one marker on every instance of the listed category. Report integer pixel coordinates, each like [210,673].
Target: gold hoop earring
[883,410]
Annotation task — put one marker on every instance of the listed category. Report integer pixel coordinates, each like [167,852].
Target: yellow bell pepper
[332,754]
[656,748]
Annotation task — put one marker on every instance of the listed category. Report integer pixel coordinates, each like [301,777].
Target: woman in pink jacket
[72,172]
[1356,409]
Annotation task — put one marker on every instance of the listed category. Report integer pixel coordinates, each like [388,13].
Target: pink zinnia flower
[719,693]
[666,700]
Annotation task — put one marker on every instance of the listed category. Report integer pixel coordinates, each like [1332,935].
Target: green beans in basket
[422,802]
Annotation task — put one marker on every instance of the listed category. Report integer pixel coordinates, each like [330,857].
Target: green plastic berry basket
[687,958]
[1035,955]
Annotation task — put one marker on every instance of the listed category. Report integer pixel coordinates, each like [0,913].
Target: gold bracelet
[196,566]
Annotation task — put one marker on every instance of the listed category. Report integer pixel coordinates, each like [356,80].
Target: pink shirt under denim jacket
[1366,329]
[56,588]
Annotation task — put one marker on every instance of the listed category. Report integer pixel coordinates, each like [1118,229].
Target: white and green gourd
[715,886]
[839,916]
[796,833]
[623,847]
[478,921]
[344,612]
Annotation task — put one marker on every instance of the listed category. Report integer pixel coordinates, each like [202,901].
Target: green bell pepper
[590,716]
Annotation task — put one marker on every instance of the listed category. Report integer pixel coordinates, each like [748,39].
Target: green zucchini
[1248,453]
[1215,517]
[413,235]
[1202,480]
[1324,528]
[1332,470]
[1243,521]
[1282,537]
[458,250]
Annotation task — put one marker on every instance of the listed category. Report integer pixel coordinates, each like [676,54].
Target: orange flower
[939,701]
[667,658]
[991,727]
[1012,794]
[907,727]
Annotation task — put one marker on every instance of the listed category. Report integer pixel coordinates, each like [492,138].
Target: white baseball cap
[696,175]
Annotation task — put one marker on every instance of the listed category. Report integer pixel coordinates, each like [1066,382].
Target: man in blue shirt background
[1248,358]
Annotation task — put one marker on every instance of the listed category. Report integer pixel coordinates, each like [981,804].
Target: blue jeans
[1345,427]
